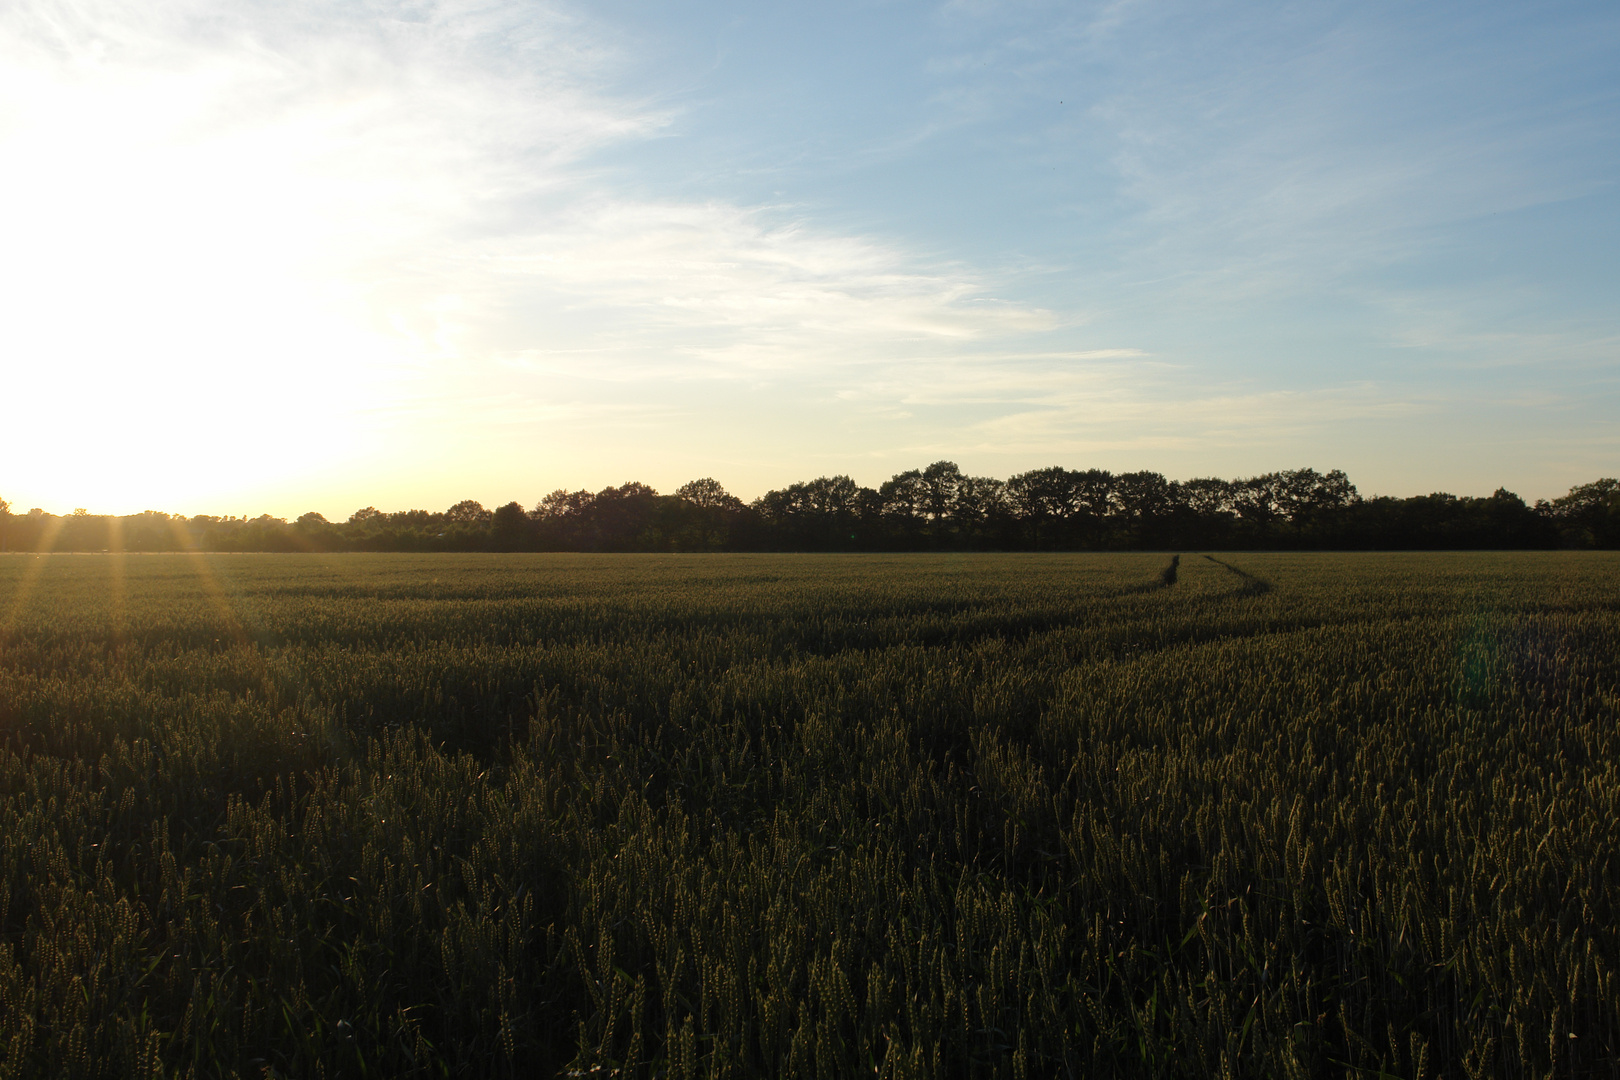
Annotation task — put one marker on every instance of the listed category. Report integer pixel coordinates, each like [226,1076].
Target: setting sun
[182,319]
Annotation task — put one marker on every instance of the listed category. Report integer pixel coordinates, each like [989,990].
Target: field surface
[794,816]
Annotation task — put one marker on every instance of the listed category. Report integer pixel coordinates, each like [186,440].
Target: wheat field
[810,816]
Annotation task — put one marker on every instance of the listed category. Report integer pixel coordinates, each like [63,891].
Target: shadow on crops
[1251,585]
[1166,578]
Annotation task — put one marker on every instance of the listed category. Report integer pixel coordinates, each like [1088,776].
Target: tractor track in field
[1251,585]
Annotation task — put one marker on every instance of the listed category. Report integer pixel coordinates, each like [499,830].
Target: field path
[1252,586]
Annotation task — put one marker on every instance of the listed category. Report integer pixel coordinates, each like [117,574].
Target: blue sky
[312,256]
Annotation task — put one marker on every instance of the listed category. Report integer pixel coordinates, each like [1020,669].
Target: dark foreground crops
[810,816]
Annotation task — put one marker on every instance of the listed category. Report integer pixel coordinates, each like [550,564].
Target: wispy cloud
[1100,401]
[359,217]
[314,229]
[718,290]
[1274,152]
[1124,418]
[1258,152]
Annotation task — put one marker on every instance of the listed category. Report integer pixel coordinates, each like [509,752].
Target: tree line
[938,508]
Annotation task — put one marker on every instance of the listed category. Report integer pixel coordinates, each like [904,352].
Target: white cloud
[296,230]
[316,231]
[719,290]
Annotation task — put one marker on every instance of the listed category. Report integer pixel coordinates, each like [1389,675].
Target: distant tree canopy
[938,508]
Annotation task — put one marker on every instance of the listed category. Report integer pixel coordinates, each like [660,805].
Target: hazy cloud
[386,230]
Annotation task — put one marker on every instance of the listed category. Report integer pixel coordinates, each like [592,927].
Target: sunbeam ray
[118,573]
[32,569]
[211,585]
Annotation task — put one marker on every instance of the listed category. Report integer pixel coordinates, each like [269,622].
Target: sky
[296,255]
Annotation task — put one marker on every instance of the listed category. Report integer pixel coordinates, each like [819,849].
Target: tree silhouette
[980,505]
[941,482]
[707,494]
[509,527]
[704,515]
[1044,499]
[1590,513]
[1053,508]
[468,512]
[620,516]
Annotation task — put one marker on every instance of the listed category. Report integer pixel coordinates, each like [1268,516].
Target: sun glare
[182,325]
